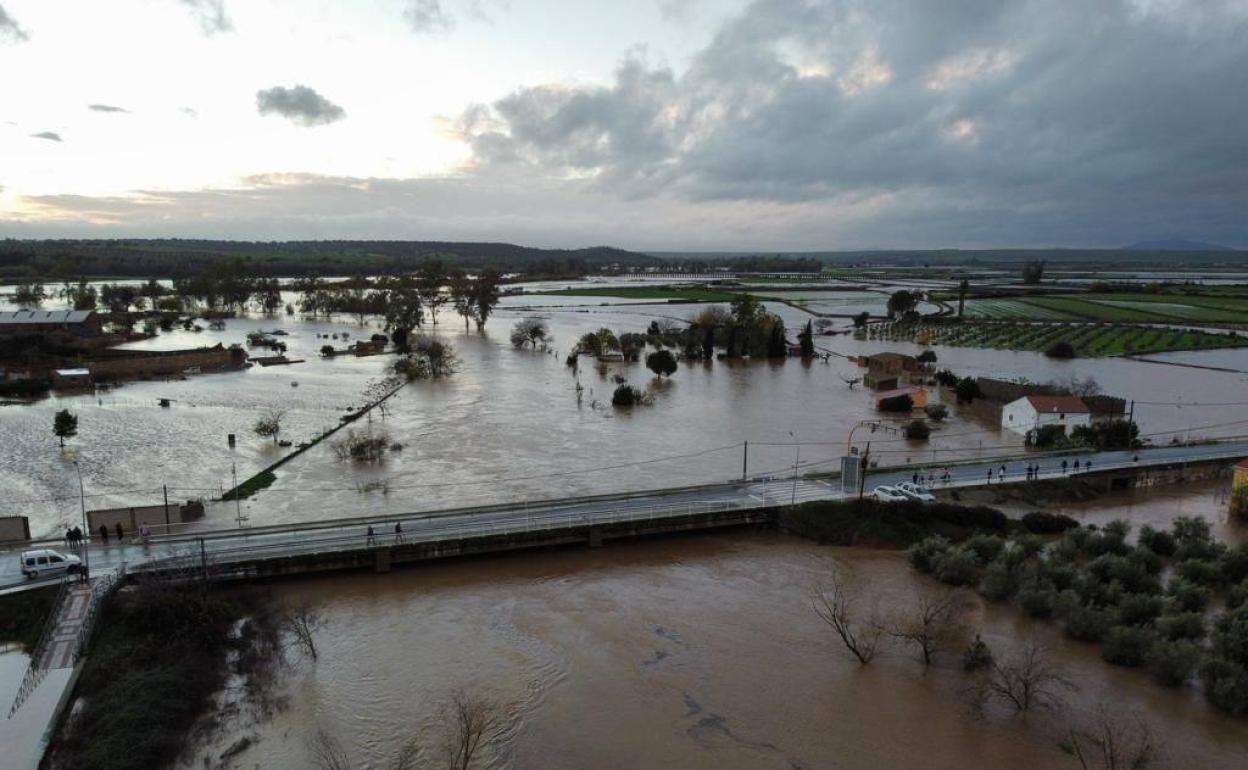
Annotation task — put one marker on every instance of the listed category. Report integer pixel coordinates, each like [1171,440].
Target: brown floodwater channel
[692,652]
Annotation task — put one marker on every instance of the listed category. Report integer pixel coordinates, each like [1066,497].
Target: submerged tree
[662,363]
[269,424]
[65,425]
[835,601]
[529,331]
[806,339]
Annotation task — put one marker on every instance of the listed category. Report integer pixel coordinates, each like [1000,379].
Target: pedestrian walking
[145,533]
[990,475]
[1003,472]
[121,532]
[1063,466]
[915,478]
[69,537]
[104,534]
[1087,466]
[370,537]
[77,536]
[1076,465]
[398,532]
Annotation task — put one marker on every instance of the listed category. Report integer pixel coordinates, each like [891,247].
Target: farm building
[888,370]
[67,379]
[1032,412]
[25,323]
[917,395]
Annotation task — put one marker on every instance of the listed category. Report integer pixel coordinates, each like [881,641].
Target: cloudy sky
[649,124]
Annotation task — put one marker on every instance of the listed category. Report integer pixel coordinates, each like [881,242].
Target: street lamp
[797,456]
[86,531]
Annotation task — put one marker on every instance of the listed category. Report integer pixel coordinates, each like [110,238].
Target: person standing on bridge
[1002,472]
[398,532]
[1063,466]
[121,532]
[104,534]
[1076,465]
[915,478]
[990,475]
[370,538]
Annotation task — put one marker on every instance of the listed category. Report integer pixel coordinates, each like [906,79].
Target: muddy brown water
[693,652]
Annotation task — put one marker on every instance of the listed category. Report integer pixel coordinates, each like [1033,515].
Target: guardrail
[100,589]
[36,670]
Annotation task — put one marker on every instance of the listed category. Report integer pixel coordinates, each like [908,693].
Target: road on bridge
[222,546]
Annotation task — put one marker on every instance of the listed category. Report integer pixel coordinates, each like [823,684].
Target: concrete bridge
[345,543]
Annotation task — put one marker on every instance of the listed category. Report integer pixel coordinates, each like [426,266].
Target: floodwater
[697,652]
[509,426]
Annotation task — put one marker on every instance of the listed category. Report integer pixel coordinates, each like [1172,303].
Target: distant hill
[1176,245]
[1092,258]
[174,256]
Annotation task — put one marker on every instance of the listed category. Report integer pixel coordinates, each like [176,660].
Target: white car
[45,561]
[916,492]
[889,494]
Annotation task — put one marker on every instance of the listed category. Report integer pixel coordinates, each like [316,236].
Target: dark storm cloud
[9,29]
[300,104]
[106,108]
[1133,110]
[210,14]
[51,136]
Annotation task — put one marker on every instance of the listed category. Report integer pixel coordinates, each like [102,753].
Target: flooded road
[698,652]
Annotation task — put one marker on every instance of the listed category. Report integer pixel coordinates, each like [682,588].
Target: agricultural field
[1089,340]
[1115,308]
[687,293]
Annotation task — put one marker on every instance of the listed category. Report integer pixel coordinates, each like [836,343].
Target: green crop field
[1090,340]
[691,294]
[1114,308]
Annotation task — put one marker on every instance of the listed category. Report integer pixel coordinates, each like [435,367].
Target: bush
[1194,537]
[1159,542]
[1000,582]
[1172,663]
[946,378]
[985,547]
[1199,571]
[1060,349]
[957,567]
[1146,560]
[1181,625]
[1139,609]
[1187,596]
[1038,601]
[662,363]
[917,430]
[1043,523]
[1237,596]
[967,390]
[1086,624]
[936,412]
[901,404]
[626,396]
[1126,645]
[924,554]
[1226,685]
[1062,576]
[1235,564]
[977,656]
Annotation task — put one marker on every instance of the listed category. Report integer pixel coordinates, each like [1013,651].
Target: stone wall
[14,529]
[134,364]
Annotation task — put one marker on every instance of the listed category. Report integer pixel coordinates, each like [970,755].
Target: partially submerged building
[1031,413]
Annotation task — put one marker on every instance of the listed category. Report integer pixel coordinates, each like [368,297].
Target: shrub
[946,378]
[1194,537]
[662,363]
[1139,609]
[924,554]
[1061,575]
[1226,685]
[1086,624]
[1060,349]
[936,412]
[977,656]
[1199,571]
[1038,601]
[1159,542]
[1235,563]
[1181,625]
[626,395]
[957,567]
[917,430]
[986,547]
[1126,645]
[1237,596]
[1187,596]
[902,403]
[1172,663]
[1000,582]
[1094,592]
[967,390]
[1044,523]
[1146,560]
[1230,636]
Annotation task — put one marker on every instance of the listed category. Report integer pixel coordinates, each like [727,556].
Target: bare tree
[1028,681]
[270,423]
[835,602]
[1113,743]
[327,752]
[469,721]
[934,622]
[302,623]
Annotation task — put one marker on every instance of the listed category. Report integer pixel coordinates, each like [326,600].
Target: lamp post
[797,457]
[86,531]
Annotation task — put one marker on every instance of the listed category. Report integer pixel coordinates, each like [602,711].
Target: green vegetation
[1115,307]
[162,652]
[684,293]
[22,615]
[1103,589]
[879,523]
[1086,340]
[251,486]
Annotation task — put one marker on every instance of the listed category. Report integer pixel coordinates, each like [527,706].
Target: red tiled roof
[910,391]
[1057,404]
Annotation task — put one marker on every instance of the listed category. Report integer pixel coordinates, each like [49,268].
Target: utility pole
[745,459]
[166,488]
[797,457]
[86,531]
[862,474]
[238,505]
[1130,423]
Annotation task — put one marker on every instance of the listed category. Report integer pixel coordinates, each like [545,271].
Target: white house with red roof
[1031,412]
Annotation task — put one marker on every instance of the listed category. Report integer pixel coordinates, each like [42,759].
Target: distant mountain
[1175,245]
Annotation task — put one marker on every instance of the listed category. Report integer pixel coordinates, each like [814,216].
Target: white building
[1031,412]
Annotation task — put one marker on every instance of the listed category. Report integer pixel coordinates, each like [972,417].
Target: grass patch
[251,486]
[23,614]
[889,524]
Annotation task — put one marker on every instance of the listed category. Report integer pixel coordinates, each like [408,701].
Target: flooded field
[698,652]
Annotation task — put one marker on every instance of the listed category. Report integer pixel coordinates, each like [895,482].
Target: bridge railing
[191,560]
[37,668]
